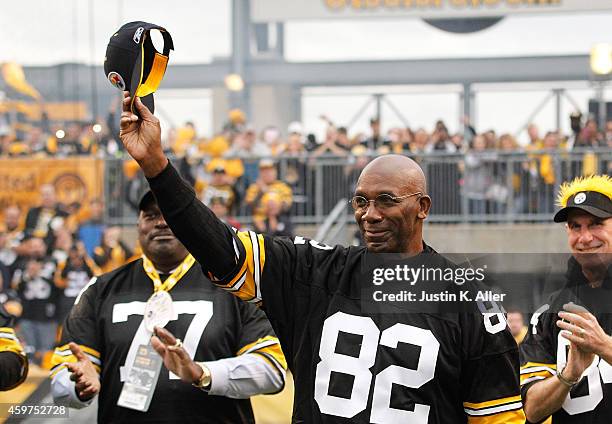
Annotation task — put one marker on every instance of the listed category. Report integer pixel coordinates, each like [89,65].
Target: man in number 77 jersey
[349,366]
[233,351]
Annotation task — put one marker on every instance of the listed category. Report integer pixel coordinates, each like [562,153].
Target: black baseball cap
[132,63]
[146,200]
[593,202]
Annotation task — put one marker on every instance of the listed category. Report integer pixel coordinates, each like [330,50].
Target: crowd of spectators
[271,174]
[48,253]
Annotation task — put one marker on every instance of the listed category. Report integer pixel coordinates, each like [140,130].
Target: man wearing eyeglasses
[349,365]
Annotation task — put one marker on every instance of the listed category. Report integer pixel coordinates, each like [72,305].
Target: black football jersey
[544,350]
[107,321]
[10,343]
[38,296]
[351,366]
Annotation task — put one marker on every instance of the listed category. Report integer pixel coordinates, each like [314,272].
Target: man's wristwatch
[205,379]
[564,380]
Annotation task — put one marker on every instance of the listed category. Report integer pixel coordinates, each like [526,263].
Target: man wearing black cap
[566,358]
[226,349]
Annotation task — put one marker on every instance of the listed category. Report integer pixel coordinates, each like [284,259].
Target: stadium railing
[491,186]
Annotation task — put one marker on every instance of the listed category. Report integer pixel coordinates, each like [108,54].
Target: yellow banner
[75,180]
[56,111]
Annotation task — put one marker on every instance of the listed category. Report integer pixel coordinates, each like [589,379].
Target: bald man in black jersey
[350,365]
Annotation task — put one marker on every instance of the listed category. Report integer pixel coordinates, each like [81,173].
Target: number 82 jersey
[351,366]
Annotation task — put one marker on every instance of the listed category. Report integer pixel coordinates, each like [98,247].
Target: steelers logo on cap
[116,80]
[580,198]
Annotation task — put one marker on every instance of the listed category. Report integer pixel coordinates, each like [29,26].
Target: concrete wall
[485,238]
[497,238]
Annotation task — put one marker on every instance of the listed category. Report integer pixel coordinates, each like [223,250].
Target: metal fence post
[318,192]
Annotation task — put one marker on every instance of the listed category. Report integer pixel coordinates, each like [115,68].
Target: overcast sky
[44,32]
[41,32]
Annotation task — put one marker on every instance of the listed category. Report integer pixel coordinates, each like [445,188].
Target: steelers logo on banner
[116,80]
[70,188]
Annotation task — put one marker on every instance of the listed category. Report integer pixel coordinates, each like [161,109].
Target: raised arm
[206,237]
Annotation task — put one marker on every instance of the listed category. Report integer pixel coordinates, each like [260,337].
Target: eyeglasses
[382,201]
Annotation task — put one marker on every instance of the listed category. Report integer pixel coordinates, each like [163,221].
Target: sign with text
[76,179]
[283,10]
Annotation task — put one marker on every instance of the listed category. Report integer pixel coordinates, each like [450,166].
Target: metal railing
[491,186]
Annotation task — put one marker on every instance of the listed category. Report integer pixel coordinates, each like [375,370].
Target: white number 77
[201,309]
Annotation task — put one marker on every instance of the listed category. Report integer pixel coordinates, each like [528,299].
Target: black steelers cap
[132,63]
[593,202]
[146,200]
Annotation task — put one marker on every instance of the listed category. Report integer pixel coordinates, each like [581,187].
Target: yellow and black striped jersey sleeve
[538,350]
[9,341]
[270,350]
[245,280]
[80,328]
[17,369]
[63,355]
[14,365]
[256,336]
[499,411]
[490,372]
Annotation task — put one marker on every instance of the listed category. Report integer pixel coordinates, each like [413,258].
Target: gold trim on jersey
[509,417]
[246,283]
[173,279]
[9,341]
[269,347]
[505,410]
[63,354]
[533,371]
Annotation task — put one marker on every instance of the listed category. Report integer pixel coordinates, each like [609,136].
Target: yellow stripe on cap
[155,76]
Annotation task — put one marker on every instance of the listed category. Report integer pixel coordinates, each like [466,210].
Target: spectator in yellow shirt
[267,183]
[112,252]
[218,187]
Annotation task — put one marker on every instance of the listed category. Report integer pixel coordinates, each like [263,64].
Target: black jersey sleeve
[195,225]
[281,275]
[80,328]
[257,337]
[490,370]
[13,361]
[538,350]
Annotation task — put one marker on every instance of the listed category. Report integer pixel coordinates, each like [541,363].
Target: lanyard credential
[174,278]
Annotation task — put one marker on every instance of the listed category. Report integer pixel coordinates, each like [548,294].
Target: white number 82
[359,368]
